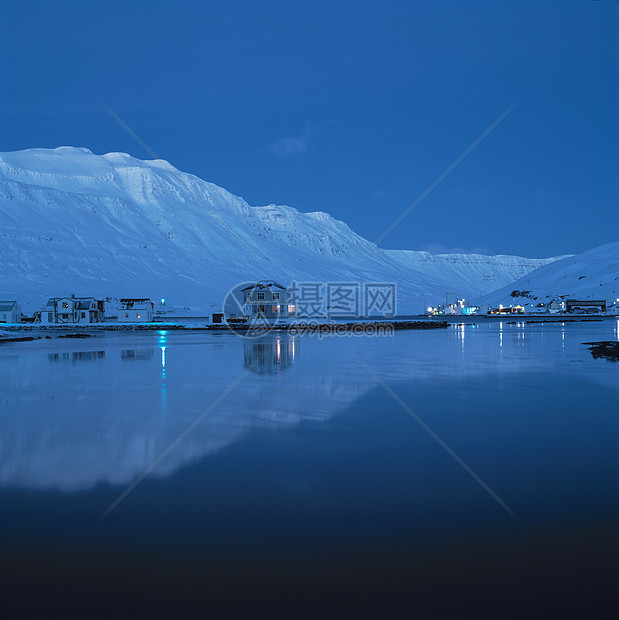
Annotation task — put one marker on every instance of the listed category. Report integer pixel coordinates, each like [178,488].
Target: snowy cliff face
[591,275]
[113,225]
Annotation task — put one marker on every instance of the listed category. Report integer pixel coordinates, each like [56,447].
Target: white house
[10,312]
[68,310]
[266,299]
[136,311]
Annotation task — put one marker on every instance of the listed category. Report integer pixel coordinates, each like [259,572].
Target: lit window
[291,309]
[65,304]
[275,308]
[138,316]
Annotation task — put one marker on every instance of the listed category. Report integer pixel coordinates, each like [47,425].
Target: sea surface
[463,472]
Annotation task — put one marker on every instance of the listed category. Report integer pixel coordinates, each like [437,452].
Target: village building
[556,306]
[590,306]
[507,310]
[10,312]
[70,310]
[266,299]
[138,310]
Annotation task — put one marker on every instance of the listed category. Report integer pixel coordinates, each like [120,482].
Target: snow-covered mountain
[113,226]
[591,275]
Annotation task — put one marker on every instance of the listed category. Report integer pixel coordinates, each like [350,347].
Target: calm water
[307,487]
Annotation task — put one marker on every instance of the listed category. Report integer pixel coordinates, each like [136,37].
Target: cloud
[544,195]
[291,147]
[381,195]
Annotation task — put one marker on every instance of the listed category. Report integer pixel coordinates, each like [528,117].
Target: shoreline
[196,324]
[180,326]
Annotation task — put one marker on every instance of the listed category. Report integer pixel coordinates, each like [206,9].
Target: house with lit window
[266,299]
[556,306]
[72,310]
[10,312]
[507,310]
[139,310]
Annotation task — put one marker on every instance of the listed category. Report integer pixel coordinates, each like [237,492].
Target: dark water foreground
[312,488]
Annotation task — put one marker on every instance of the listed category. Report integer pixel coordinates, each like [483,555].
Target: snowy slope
[113,225]
[591,275]
[474,273]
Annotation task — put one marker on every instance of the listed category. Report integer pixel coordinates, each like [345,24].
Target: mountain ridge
[114,225]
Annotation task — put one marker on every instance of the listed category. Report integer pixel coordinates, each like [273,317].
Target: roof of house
[82,303]
[262,284]
[6,306]
[141,303]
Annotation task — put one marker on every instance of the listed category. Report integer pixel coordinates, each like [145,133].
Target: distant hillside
[591,275]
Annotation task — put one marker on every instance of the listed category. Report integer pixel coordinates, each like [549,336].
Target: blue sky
[353,108]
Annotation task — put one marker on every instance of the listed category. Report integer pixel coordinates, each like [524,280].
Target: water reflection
[292,465]
[135,411]
[137,354]
[76,356]
[563,337]
[163,342]
[272,355]
[462,334]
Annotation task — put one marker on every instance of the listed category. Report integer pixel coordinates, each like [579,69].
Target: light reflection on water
[272,354]
[309,455]
[45,427]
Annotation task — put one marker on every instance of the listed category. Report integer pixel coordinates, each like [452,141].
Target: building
[10,312]
[590,306]
[556,306]
[266,299]
[504,310]
[460,306]
[71,310]
[140,310]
